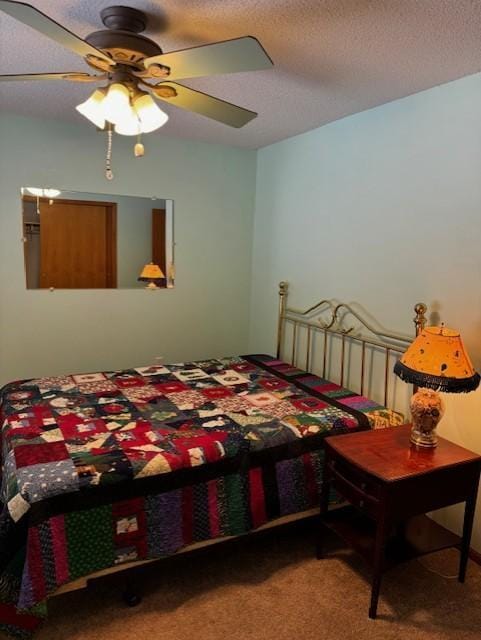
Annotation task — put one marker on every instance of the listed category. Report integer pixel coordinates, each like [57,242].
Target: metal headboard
[328,318]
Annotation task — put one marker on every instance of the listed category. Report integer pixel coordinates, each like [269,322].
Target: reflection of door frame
[110,232]
[159,217]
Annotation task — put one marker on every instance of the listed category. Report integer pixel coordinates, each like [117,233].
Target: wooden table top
[389,455]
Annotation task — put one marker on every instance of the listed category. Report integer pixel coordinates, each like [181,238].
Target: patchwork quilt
[104,468]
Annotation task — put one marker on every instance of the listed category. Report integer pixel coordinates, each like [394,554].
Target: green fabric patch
[236,504]
[90,536]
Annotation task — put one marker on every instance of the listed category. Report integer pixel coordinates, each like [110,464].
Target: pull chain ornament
[108,158]
[139,147]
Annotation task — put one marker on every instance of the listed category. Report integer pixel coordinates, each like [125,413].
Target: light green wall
[206,314]
[381,208]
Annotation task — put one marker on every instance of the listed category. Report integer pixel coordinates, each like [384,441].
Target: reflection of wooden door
[78,244]
[158,239]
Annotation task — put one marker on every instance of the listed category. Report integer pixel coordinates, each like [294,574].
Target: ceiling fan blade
[201,103]
[231,56]
[73,76]
[40,22]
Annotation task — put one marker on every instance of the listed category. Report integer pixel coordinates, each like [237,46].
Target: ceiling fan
[135,69]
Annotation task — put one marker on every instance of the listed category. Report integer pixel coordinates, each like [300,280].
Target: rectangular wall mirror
[75,240]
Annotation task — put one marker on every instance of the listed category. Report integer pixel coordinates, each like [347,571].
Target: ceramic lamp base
[427,409]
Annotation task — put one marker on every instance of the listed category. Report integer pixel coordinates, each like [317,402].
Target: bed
[104,471]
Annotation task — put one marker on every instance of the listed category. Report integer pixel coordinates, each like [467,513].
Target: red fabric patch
[324,388]
[28,432]
[129,439]
[272,384]
[131,381]
[114,407]
[309,404]
[9,615]
[28,454]
[59,543]
[35,565]
[257,500]
[171,387]
[243,367]
[214,393]
[74,427]
[186,426]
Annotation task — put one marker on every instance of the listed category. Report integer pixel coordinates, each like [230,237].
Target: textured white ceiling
[332,58]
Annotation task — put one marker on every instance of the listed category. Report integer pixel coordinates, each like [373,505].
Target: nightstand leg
[467,530]
[379,547]
[324,505]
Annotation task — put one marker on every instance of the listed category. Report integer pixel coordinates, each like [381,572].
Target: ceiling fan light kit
[92,108]
[138,71]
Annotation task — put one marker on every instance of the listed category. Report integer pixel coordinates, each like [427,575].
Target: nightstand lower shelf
[419,536]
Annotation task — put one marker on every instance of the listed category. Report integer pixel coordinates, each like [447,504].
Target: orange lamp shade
[437,359]
[150,273]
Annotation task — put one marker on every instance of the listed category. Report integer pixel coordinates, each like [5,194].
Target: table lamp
[435,361]
[152,274]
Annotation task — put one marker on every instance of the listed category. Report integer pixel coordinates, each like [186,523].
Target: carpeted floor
[271,587]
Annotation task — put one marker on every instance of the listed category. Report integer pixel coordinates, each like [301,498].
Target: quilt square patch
[243,367]
[273,384]
[230,378]
[261,399]
[281,409]
[129,381]
[234,403]
[100,386]
[171,387]
[190,374]
[82,378]
[20,396]
[216,393]
[63,383]
[39,481]
[187,400]
[153,370]
[309,404]
[141,394]
[32,454]
[81,428]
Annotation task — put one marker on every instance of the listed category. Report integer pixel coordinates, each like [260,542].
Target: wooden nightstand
[392,484]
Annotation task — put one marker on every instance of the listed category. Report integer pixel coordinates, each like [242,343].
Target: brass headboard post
[420,318]
[419,322]
[283,286]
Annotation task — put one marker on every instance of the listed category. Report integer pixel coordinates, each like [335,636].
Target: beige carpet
[272,587]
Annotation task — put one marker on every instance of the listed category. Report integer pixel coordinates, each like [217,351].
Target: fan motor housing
[122,41]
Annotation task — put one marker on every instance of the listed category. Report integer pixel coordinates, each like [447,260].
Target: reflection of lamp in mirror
[152,274]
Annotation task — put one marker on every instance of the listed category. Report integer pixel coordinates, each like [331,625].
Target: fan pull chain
[108,158]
